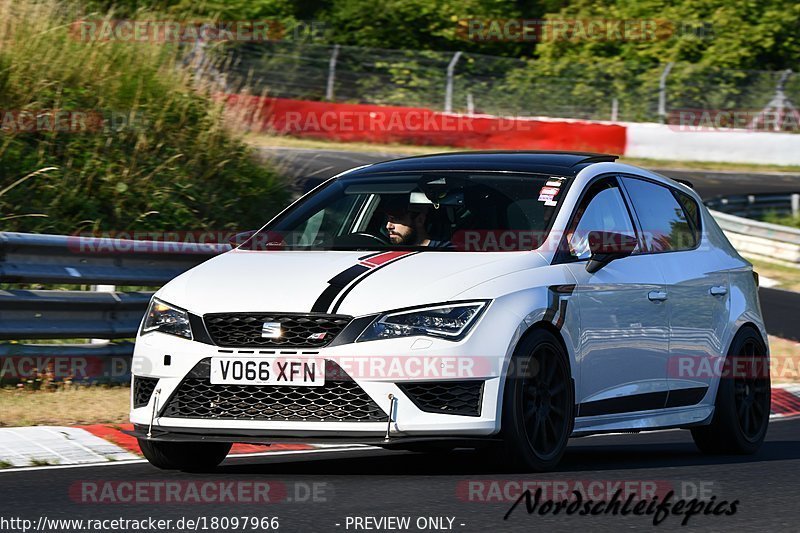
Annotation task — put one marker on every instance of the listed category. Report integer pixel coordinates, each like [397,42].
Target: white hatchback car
[498,300]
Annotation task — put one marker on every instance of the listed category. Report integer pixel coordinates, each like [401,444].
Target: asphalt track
[373,482]
[780,307]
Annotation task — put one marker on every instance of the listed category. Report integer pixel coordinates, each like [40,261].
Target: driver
[407,226]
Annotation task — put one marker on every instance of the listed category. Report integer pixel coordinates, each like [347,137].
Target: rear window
[665,225]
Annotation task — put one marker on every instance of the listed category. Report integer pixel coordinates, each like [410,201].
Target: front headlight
[449,321]
[166,318]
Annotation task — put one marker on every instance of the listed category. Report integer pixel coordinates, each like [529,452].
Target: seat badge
[271,330]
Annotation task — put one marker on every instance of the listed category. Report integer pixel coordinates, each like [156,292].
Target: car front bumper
[383,370]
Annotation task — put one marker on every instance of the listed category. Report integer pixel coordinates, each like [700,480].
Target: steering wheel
[362,238]
[381,238]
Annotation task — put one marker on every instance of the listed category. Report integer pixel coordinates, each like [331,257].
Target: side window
[692,211]
[602,209]
[664,224]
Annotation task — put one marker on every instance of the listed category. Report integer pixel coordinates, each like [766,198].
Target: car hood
[365,282]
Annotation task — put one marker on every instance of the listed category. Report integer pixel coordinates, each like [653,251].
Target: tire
[186,456]
[538,404]
[741,414]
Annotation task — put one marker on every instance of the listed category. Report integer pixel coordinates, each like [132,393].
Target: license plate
[267,371]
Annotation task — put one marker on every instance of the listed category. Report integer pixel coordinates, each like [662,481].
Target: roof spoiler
[597,158]
[684,182]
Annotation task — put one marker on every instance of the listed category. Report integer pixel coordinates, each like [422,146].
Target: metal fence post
[101,288]
[332,73]
[662,93]
[448,94]
[796,205]
[614,109]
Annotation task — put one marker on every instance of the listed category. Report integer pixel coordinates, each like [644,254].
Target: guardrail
[756,205]
[51,314]
[28,258]
[762,240]
[81,314]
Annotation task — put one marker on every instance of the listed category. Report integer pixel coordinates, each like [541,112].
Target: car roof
[556,163]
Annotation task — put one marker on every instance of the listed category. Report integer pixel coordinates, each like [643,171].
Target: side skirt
[673,417]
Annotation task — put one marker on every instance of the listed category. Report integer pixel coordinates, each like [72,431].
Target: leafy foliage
[163,159]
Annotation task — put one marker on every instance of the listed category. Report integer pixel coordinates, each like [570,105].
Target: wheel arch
[541,324]
[746,323]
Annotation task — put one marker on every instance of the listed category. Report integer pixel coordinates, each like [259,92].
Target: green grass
[787,277]
[78,405]
[42,462]
[783,220]
[176,164]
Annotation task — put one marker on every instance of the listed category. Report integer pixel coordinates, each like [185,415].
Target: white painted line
[139,461]
[20,435]
[80,465]
[75,442]
[24,446]
[6,452]
[764,281]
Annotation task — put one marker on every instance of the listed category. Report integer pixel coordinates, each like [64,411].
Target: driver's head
[406,224]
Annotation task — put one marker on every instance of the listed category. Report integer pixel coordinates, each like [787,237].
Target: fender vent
[142,390]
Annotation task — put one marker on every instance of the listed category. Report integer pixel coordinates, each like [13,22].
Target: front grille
[142,390]
[446,397]
[339,400]
[297,330]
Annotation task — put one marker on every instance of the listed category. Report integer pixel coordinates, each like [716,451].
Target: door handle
[719,290]
[656,296]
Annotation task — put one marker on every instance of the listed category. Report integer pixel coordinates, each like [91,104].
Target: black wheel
[538,404]
[187,456]
[742,406]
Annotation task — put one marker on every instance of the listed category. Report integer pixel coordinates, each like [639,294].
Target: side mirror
[240,238]
[607,246]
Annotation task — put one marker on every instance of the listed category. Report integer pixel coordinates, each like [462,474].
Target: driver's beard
[411,240]
[407,240]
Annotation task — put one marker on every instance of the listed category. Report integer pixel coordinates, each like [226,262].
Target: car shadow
[590,457]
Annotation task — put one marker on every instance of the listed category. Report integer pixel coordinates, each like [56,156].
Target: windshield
[437,211]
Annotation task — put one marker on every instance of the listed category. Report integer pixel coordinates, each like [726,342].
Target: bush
[164,160]
[784,220]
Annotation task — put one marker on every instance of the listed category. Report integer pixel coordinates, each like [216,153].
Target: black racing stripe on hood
[368,274]
[335,286]
[370,255]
